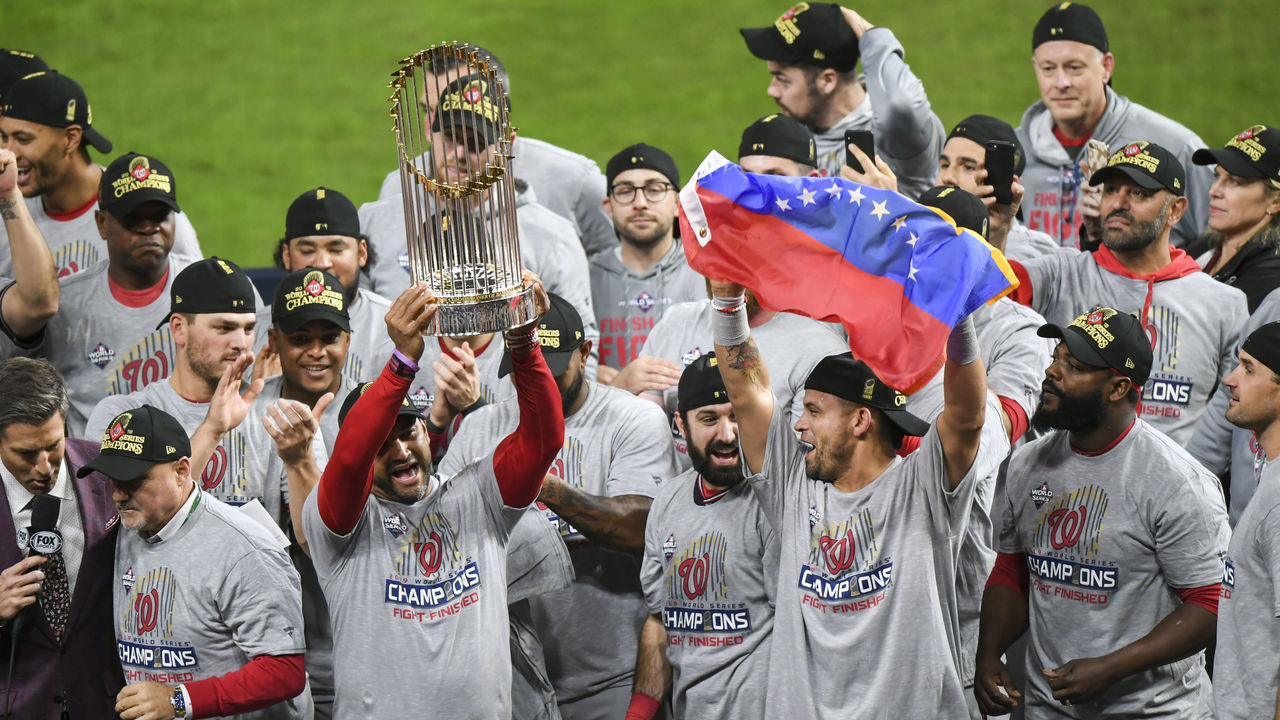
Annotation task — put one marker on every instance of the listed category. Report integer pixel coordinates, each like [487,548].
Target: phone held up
[999,166]
[865,141]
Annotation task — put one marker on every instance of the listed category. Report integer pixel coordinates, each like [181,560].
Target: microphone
[43,538]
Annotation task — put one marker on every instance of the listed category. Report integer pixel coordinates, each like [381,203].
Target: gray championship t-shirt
[102,346]
[417,595]
[1193,322]
[710,573]
[790,345]
[76,244]
[205,602]
[1246,665]
[370,346]
[1109,538]
[615,444]
[866,623]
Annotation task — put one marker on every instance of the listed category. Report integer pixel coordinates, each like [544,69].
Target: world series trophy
[453,136]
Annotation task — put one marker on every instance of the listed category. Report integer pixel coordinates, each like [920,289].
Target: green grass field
[251,102]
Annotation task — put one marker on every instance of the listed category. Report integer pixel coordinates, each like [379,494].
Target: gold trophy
[453,136]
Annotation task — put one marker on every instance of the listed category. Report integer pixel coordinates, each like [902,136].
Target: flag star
[880,210]
[807,197]
[897,224]
[913,240]
[834,190]
[856,195]
[911,275]
[783,204]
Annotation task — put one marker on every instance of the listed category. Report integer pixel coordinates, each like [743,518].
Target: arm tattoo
[616,522]
[746,359]
[6,209]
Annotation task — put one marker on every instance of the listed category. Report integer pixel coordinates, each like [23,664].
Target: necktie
[55,594]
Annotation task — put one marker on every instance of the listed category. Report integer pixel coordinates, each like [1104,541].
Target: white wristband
[729,326]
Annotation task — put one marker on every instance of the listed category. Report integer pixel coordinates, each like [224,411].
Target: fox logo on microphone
[45,542]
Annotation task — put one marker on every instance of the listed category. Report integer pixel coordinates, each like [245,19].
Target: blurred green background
[252,102]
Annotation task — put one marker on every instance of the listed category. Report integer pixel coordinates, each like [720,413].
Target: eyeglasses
[625,193]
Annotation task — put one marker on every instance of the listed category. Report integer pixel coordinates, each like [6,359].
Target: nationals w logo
[697,572]
[694,572]
[146,611]
[838,552]
[1073,521]
[430,552]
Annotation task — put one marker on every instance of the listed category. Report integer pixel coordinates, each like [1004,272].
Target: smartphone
[999,165]
[865,140]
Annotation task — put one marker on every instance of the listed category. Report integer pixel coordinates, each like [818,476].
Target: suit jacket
[82,671]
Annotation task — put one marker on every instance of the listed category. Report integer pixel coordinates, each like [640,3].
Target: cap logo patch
[1128,362]
[319,193]
[868,389]
[946,192]
[322,226]
[139,177]
[473,93]
[1095,329]
[313,291]
[1094,318]
[475,99]
[548,337]
[899,399]
[169,449]
[712,362]
[818,55]
[1245,143]
[1135,154]
[225,268]
[71,109]
[1132,149]
[116,431]
[757,146]
[786,24]
[120,439]
[140,168]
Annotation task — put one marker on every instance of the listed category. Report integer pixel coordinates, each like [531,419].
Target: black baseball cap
[16,64]
[963,207]
[983,129]
[136,440]
[321,211]
[1107,338]
[643,157]
[212,285]
[559,333]
[853,380]
[1148,165]
[53,99]
[701,385]
[1255,152]
[471,102]
[1264,345]
[808,34]
[406,407]
[309,294]
[779,136]
[1070,21]
[133,179]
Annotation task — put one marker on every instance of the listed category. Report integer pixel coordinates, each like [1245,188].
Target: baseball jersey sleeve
[261,604]
[643,454]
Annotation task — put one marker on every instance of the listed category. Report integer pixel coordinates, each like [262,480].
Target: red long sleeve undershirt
[1011,570]
[520,461]
[262,682]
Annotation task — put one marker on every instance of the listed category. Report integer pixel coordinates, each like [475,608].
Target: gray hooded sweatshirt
[628,304]
[1052,179]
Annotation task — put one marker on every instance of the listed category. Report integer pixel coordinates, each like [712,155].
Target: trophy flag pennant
[896,274]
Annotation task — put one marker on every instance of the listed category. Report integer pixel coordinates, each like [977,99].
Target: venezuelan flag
[897,275]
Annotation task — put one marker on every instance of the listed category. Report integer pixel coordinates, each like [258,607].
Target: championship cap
[136,440]
[212,285]
[1264,345]
[807,34]
[844,377]
[1070,21]
[309,294]
[641,157]
[16,64]
[53,99]
[701,385]
[984,128]
[1253,153]
[965,209]
[779,136]
[321,212]
[1148,165]
[559,333]
[1107,338]
[406,407]
[471,102]
[133,179]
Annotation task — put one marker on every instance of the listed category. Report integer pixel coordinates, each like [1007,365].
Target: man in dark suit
[65,664]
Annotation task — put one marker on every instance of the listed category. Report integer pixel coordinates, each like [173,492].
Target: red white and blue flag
[897,275]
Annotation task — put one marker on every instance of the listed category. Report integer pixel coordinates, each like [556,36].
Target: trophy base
[486,316]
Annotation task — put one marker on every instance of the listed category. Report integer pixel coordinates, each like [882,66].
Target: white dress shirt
[70,524]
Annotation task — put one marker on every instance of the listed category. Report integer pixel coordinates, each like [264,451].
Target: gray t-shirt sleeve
[783,464]
[105,411]
[1188,533]
[1046,273]
[643,453]
[905,126]
[651,563]
[261,603]
[184,238]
